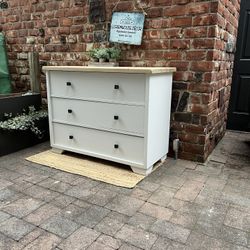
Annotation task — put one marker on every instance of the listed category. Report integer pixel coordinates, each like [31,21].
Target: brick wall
[192,35]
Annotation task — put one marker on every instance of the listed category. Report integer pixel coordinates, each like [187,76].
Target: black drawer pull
[71,137]
[70,111]
[68,83]
[116,146]
[116,86]
[116,117]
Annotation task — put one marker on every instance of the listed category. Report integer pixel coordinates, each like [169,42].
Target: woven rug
[106,171]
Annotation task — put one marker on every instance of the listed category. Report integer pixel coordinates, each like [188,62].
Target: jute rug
[109,172]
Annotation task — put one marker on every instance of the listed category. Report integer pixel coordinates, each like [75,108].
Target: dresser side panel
[158,117]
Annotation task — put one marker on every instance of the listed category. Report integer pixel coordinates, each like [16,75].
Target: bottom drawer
[117,147]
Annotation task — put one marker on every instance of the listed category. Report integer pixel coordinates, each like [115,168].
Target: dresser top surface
[131,70]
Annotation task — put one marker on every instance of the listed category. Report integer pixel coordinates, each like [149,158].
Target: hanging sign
[127,28]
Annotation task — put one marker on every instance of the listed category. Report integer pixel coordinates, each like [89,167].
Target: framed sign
[127,28]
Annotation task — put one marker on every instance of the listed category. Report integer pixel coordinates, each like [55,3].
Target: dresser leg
[163,158]
[142,171]
[57,150]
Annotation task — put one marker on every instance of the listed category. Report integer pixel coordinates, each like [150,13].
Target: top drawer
[110,87]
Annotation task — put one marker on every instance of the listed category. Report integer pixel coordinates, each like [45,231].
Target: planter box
[15,103]
[12,141]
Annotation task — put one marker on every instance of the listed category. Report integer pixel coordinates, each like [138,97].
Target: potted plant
[93,56]
[102,54]
[114,54]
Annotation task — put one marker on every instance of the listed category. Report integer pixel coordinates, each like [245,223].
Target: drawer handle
[116,117]
[71,137]
[116,146]
[70,111]
[68,83]
[116,86]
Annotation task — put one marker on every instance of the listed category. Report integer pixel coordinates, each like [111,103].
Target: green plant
[102,53]
[25,121]
[92,54]
[114,53]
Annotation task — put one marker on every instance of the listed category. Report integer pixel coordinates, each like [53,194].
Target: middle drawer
[104,116]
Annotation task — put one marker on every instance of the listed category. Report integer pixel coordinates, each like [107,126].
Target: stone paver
[136,237]
[238,219]
[156,211]
[99,246]
[189,190]
[60,226]
[102,197]
[55,185]
[92,216]
[162,196]
[41,193]
[9,244]
[80,239]
[142,221]
[45,241]
[41,214]
[15,228]
[125,205]
[182,205]
[170,230]
[109,241]
[22,207]
[109,226]
[4,183]
[4,216]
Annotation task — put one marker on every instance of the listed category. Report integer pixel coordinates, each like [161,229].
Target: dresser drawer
[108,116]
[116,87]
[119,147]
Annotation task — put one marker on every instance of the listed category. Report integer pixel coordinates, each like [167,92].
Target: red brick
[196,55]
[52,23]
[182,75]
[152,34]
[197,8]
[180,44]
[196,32]
[195,99]
[206,19]
[63,30]
[162,2]
[193,138]
[154,12]
[181,21]
[65,21]
[76,29]
[153,54]
[193,148]
[203,43]
[202,66]
[180,65]
[199,109]
[172,33]
[73,12]
[177,10]
[181,1]
[177,55]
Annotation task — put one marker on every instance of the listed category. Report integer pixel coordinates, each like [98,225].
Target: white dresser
[120,114]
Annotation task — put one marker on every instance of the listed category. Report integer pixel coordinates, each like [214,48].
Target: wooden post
[34,67]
